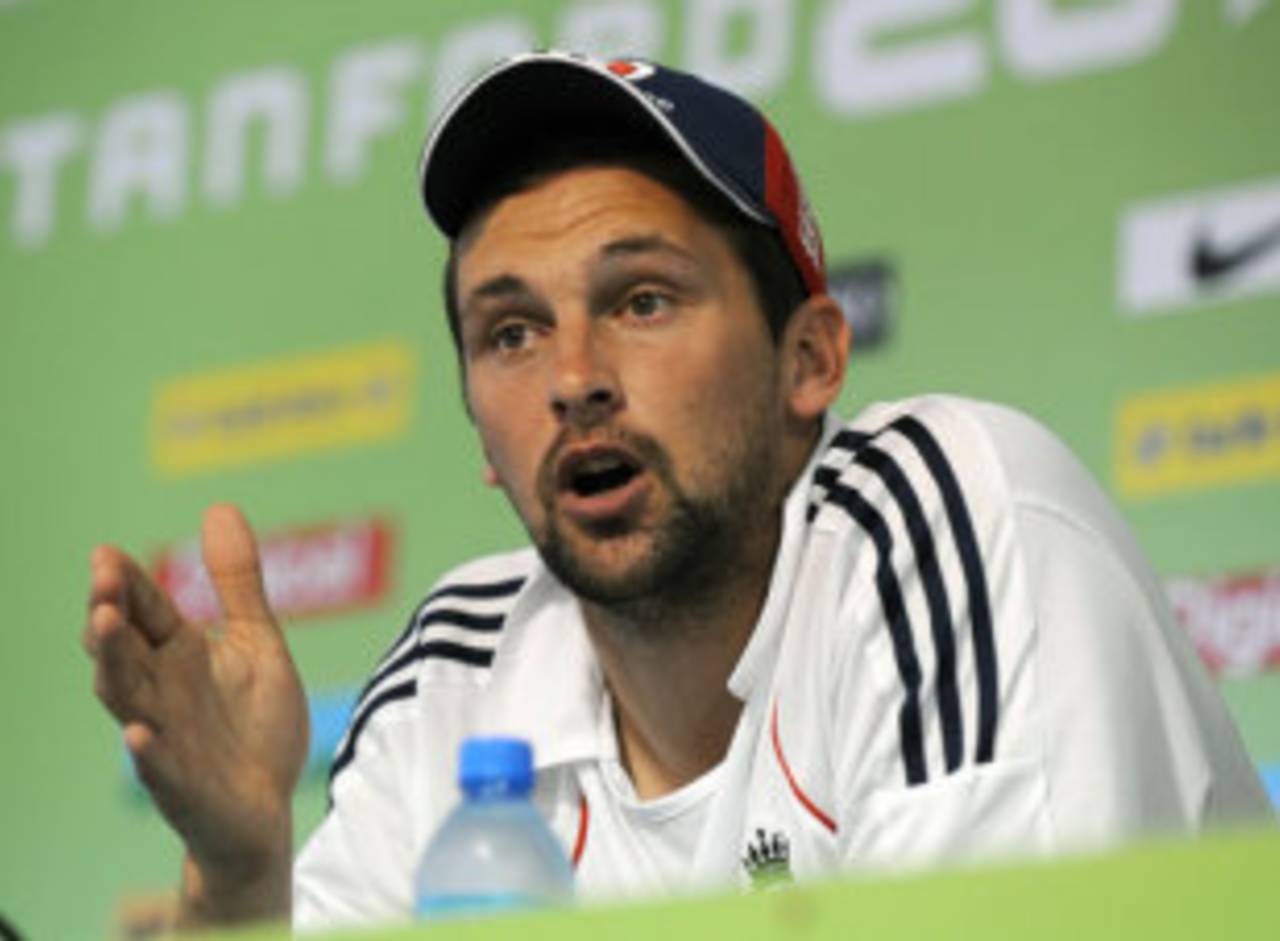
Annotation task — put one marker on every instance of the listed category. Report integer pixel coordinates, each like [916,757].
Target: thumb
[231,558]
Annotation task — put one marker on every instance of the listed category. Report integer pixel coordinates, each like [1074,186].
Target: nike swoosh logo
[1211,262]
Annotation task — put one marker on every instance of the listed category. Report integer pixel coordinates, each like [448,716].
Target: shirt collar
[545,683]
[755,666]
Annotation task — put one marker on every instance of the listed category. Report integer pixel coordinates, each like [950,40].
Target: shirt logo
[768,860]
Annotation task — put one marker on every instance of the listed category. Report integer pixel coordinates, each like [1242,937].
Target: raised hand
[215,719]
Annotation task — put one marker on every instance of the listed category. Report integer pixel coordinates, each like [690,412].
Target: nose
[584,387]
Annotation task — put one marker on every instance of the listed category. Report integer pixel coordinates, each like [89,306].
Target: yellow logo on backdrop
[1197,437]
[282,407]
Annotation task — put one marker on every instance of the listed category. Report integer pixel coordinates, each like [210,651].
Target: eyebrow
[643,245]
[503,285]
[509,285]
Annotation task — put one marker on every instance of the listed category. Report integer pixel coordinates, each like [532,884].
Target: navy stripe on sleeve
[984,644]
[895,611]
[405,690]
[418,642]
[477,590]
[860,448]
[943,630]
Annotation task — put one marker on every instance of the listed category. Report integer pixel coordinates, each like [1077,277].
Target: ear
[815,354]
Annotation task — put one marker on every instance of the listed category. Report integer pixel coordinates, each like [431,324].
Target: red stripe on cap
[783,196]
[801,796]
[584,821]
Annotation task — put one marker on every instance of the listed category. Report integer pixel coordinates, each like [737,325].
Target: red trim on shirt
[584,819]
[786,770]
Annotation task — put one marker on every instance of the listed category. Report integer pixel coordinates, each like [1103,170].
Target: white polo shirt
[962,654]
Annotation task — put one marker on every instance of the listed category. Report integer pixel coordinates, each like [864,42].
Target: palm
[216,720]
[240,743]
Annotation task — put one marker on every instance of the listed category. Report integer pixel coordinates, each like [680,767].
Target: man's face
[624,383]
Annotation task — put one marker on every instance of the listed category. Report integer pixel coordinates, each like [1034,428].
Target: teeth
[599,464]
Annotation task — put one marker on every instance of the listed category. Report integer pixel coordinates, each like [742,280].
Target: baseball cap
[537,95]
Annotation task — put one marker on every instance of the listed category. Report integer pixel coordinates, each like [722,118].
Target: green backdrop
[1068,205]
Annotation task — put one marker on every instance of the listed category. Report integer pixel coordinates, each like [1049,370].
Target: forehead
[578,211]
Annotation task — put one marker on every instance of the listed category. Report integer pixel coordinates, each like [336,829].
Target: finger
[231,558]
[107,579]
[149,759]
[122,678]
[118,579]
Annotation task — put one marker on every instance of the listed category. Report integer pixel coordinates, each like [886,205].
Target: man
[752,643]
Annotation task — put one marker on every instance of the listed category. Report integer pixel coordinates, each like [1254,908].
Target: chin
[609,570]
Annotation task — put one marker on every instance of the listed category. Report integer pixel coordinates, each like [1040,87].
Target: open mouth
[597,472]
[603,486]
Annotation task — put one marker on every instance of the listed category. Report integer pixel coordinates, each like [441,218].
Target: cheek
[510,437]
[704,410]
[708,387]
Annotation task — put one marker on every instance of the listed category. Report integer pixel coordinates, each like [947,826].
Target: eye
[510,336]
[647,304]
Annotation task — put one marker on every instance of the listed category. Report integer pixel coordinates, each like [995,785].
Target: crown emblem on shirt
[768,860]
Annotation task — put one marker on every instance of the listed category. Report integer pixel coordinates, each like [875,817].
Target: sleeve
[357,866]
[391,781]
[934,652]
[1044,699]
[1137,740]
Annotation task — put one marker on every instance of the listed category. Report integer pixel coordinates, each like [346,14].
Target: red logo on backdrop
[308,572]
[1234,620]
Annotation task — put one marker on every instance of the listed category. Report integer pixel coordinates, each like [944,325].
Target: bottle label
[438,907]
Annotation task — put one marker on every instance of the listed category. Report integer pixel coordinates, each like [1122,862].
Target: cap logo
[632,70]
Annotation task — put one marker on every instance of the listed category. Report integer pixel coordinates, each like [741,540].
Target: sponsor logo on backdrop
[307,572]
[1234,620]
[1201,436]
[1200,248]
[137,157]
[280,408]
[867,292]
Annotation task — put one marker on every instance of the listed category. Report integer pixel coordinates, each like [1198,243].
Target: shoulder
[1023,488]
[1000,624]
[966,463]
[949,435]
[448,642]
[460,619]
[933,628]
[391,779]
[910,503]
[910,472]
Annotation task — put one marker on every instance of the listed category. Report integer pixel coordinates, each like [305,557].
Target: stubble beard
[693,554]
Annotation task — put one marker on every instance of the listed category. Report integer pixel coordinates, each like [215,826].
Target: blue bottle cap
[489,766]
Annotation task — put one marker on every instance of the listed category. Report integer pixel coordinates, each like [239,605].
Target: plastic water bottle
[494,852]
